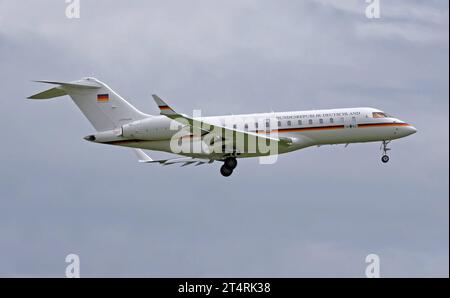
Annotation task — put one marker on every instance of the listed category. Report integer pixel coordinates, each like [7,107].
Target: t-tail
[104,108]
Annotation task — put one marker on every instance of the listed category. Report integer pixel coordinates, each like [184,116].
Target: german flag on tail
[102,97]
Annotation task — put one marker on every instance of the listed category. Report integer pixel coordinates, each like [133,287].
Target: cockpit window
[379,115]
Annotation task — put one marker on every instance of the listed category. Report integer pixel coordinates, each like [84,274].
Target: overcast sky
[316,212]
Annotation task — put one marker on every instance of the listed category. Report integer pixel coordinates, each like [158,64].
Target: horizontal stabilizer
[60,90]
[77,84]
[51,93]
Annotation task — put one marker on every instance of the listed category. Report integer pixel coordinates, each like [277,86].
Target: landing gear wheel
[225,171]
[231,163]
[385,149]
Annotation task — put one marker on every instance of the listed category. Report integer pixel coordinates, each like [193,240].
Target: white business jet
[203,140]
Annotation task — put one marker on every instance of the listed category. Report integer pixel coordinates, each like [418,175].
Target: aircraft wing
[184,161]
[205,127]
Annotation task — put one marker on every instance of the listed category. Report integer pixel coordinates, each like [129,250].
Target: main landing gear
[384,147]
[229,164]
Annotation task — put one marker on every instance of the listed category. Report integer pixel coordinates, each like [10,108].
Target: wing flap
[185,161]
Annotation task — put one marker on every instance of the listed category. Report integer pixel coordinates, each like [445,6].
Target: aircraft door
[350,123]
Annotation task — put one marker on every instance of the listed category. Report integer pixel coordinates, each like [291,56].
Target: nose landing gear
[384,147]
[230,163]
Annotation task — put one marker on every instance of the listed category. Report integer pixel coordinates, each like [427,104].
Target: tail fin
[103,107]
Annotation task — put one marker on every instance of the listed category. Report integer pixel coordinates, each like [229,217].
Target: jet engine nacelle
[150,129]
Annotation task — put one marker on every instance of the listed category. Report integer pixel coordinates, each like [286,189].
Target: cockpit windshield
[379,115]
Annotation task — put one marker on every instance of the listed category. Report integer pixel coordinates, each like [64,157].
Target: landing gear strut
[384,147]
[230,163]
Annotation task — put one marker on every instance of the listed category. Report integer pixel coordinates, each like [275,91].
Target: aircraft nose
[410,130]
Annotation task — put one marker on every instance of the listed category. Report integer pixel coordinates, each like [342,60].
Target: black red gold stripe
[382,124]
[286,130]
[332,127]
[103,97]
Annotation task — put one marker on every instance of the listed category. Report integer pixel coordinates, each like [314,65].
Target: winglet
[163,107]
[143,158]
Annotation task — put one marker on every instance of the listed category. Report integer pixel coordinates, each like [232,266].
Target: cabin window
[256,125]
[299,122]
[279,123]
[331,120]
[234,126]
[289,123]
[267,124]
[321,121]
[246,126]
[310,121]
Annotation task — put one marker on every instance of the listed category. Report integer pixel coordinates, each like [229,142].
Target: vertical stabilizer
[104,108]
